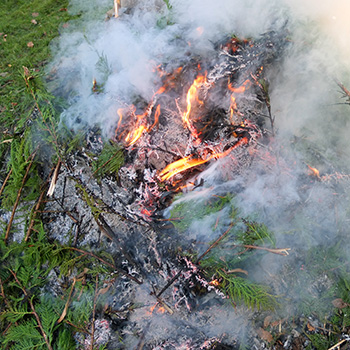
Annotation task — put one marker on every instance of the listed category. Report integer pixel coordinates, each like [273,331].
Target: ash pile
[206,109]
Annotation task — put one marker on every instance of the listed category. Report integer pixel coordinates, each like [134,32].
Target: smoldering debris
[204,115]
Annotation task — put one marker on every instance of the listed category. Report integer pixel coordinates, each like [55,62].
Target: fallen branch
[34,311]
[18,198]
[36,209]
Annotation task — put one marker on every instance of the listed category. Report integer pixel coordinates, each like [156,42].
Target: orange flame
[233,107]
[186,163]
[314,171]
[192,96]
[179,166]
[156,118]
[132,137]
[237,90]
[246,85]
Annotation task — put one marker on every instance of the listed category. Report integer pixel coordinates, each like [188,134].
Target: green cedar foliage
[32,263]
[230,253]
[109,161]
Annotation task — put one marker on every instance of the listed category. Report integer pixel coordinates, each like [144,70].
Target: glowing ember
[200,30]
[94,85]
[215,283]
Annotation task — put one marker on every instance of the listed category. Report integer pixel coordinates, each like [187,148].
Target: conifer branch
[36,210]
[33,309]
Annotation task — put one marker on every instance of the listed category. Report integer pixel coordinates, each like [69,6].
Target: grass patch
[27,27]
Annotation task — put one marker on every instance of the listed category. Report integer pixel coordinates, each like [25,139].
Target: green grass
[17,31]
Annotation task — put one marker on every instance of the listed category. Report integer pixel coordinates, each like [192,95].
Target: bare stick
[337,346]
[279,251]
[215,243]
[169,283]
[18,197]
[93,315]
[5,182]
[34,312]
